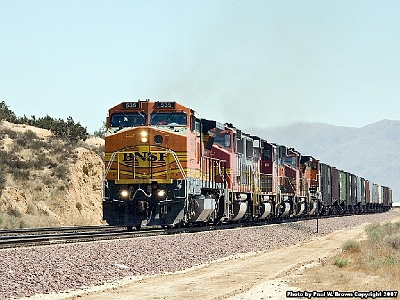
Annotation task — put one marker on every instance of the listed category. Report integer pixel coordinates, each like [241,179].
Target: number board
[165,104]
[131,104]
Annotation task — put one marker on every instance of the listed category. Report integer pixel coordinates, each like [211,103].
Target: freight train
[166,167]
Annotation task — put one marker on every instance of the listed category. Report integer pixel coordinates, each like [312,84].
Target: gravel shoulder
[185,268]
[252,276]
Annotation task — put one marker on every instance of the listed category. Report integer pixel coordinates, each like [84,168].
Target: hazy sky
[251,63]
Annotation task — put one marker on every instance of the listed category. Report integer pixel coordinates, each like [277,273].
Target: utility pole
[313,190]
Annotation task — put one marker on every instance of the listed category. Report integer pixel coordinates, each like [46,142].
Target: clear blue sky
[252,63]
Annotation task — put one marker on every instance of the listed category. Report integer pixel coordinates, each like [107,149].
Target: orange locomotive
[160,168]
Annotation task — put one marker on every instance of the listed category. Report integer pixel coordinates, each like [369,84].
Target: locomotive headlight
[124,193]
[161,193]
[143,138]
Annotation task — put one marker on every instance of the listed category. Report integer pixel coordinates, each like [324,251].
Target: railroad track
[59,235]
[40,230]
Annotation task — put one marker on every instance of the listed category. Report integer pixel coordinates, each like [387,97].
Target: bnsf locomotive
[167,167]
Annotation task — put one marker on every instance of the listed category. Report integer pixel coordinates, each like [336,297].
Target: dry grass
[40,168]
[371,264]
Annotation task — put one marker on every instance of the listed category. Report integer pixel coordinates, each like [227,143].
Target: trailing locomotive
[166,167]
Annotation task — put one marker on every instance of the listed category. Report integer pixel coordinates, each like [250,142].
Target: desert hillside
[48,181]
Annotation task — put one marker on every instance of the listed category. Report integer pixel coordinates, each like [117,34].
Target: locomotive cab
[148,173]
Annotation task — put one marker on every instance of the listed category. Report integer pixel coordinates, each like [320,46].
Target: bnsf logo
[144,156]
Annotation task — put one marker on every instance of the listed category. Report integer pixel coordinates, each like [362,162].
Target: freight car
[167,167]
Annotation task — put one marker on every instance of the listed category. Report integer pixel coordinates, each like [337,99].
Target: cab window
[223,139]
[127,119]
[168,119]
[267,153]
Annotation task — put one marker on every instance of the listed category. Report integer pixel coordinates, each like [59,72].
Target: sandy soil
[40,132]
[252,276]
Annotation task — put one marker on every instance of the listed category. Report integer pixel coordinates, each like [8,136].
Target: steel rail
[33,230]
[115,232]
[67,237]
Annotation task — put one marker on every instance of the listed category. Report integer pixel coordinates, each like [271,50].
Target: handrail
[110,163]
[177,162]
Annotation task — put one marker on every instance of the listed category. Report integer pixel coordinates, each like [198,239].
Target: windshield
[168,119]
[127,119]
[223,139]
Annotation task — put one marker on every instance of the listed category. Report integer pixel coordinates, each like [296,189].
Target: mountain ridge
[370,151]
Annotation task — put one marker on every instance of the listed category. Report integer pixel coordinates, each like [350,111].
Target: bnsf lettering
[145,156]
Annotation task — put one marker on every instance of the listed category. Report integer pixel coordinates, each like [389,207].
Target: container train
[166,167]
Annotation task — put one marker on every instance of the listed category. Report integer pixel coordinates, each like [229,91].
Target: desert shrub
[393,241]
[6,113]
[8,133]
[61,172]
[68,129]
[350,245]
[30,209]
[63,150]
[99,150]
[40,161]
[16,148]
[63,187]
[52,164]
[65,129]
[79,206]
[16,163]
[43,212]
[22,143]
[383,243]
[48,181]
[22,224]
[381,262]
[30,140]
[25,140]
[4,157]
[391,228]
[101,132]
[13,212]
[30,135]
[20,174]
[57,145]
[3,180]
[374,232]
[38,145]
[340,262]
[38,188]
